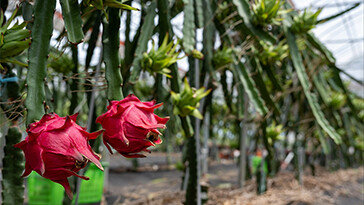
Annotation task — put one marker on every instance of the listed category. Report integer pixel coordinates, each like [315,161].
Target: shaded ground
[162,186]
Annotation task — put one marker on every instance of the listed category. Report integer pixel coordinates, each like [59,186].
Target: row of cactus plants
[266,52]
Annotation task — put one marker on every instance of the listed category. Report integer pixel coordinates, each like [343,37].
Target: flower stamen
[81,164]
[152,136]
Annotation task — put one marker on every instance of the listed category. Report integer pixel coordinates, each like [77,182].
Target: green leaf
[72,20]
[304,80]
[197,114]
[201,93]
[116,4]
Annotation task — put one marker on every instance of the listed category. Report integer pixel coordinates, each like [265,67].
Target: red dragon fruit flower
[57,148]
[131,126]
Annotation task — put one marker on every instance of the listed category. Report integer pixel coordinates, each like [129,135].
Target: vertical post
[93,94]
[328,154]
[214,148]
[300,164]
[168,142]
[301,159]
[197,135]
[262,174]
[243,138]
[193,192]
[205,149]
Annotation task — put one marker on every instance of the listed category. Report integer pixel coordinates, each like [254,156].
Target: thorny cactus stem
[110,41]
[74,84]
[38,52]
[43,23]
[12,183]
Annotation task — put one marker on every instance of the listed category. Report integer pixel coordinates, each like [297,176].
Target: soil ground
[155,183]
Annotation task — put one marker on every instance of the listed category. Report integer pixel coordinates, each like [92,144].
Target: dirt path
[163,187]
[341,187]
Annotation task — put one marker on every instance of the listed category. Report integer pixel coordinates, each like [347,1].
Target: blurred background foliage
[254,68]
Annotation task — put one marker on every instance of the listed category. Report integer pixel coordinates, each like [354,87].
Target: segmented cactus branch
[12,183]
[189,27]
[72,20]
[38,52]
[111,43]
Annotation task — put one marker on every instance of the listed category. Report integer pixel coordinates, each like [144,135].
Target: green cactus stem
[142,45]
[242,115]
[189,27]
[193,191]
[12,183]
[74,84]
[193,169]
[261,177]
[110,40]
[208,40]
[72,20]
[38,51]
[175,80]
[163,14]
